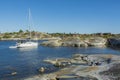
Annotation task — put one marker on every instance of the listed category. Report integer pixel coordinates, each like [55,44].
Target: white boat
[27,43]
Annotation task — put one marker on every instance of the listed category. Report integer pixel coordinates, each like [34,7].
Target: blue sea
[26,62]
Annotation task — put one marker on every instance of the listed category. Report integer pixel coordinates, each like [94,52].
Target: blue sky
[81,16]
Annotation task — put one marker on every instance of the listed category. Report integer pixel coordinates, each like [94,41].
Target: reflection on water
[28,48]
[27,61]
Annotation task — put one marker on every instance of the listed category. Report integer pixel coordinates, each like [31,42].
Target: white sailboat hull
[27,44]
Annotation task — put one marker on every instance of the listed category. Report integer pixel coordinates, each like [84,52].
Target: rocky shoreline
[76,42]
[84,67]
[87,42]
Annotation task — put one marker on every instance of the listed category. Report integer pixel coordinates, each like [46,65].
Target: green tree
[20,31]
[27,31]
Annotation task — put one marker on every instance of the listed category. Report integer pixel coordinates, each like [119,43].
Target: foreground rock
[90,60]
[113,73]
[85,71]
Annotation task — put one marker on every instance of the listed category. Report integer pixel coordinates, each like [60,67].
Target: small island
[66,39]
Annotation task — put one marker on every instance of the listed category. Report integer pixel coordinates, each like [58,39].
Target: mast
[31,24]
[29,17]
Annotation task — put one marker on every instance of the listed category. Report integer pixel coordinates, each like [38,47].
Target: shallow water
[26,62]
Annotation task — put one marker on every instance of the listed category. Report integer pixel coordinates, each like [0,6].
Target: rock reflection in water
[81,78]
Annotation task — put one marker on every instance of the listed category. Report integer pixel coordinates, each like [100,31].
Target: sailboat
[27,43]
